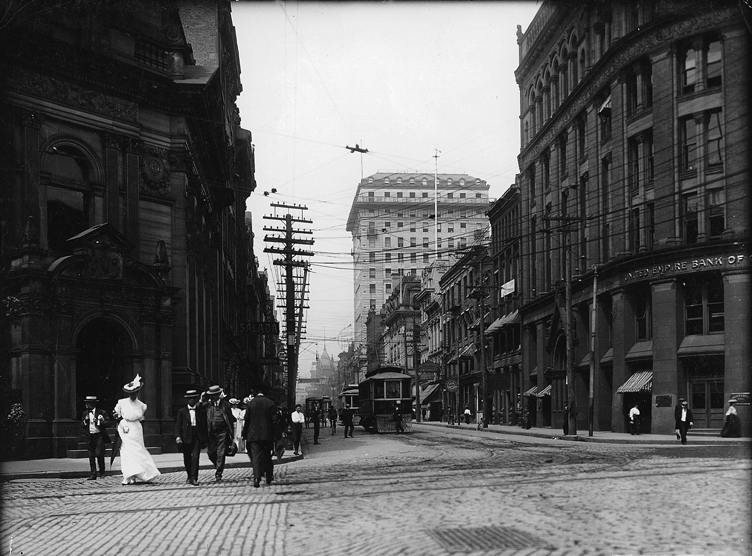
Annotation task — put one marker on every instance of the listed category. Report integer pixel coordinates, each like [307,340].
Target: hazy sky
[400,79]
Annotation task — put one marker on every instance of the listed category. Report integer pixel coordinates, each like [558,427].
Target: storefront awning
[531,392]
[468,352]
[585,361]
[710,344]
[638,382]
[608,357]
[431,394]
[495,326]
[545,392]
[641,350]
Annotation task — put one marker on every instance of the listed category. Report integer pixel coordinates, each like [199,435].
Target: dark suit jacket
[259,419]
[183,427]
[226,411]
[677,416]
[102,429]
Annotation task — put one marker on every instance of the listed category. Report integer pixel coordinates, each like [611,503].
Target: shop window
[703,306]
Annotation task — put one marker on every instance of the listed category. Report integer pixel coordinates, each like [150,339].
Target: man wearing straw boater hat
[190,432]
[94,421]
[220,426]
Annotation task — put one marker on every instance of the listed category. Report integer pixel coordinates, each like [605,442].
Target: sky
[406,80]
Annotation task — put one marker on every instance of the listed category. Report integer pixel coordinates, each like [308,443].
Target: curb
[642,440]
[5,477]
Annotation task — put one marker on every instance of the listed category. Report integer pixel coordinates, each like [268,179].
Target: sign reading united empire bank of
[680,267]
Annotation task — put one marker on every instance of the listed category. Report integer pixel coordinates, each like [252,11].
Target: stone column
[667,326]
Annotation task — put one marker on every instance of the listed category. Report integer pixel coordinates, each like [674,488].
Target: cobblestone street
[435,491]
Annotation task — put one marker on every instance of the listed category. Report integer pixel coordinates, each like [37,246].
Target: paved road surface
[436,491]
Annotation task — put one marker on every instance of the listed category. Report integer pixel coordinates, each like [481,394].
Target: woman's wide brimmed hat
[134,385]
[234,401]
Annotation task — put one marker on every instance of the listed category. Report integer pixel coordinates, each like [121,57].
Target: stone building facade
[124,244]
[635,173]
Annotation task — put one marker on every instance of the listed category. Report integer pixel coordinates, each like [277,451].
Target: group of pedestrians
[207,420]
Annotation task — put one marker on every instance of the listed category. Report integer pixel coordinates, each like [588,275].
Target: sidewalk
[598,436]
[59,468]
[76,468]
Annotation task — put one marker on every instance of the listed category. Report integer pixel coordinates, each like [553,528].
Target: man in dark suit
[190,432]
[94,422]
[258,430]
[683,419]
[347,421]
[220,426]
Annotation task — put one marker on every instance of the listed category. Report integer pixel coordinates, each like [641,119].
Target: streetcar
[349,398]
[384,390]
[322,403]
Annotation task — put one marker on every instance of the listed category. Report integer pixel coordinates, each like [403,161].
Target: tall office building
[401,222]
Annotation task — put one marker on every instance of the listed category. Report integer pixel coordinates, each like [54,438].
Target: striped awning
[638,382]
[531,392]
[545,392]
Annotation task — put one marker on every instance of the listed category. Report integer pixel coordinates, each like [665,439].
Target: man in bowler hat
[191,432]
[94,422]
[258,430]
[220,426]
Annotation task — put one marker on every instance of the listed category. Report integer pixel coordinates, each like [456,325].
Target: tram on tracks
[323,403]
[384,390]
[349,398]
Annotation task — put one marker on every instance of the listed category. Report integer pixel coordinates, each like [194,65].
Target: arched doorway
[101,365]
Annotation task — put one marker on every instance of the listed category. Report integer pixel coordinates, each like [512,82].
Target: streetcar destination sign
[262,328]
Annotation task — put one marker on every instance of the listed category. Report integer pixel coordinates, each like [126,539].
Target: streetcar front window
[393,390]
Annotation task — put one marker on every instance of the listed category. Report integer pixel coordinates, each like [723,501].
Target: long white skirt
[135,461]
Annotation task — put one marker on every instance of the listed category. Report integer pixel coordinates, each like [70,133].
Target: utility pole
[571,399]
[571,402]
[292,331]
[416,363]
[593,325]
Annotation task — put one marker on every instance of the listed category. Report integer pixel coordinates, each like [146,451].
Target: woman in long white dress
[135,461]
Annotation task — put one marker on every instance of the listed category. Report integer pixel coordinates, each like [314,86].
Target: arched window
[69,207]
